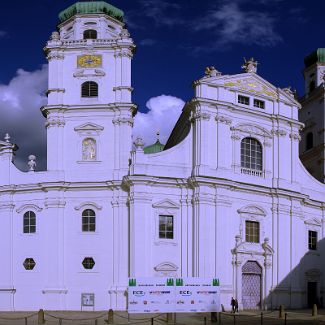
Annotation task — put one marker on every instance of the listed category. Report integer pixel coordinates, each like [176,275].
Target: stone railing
[253,172]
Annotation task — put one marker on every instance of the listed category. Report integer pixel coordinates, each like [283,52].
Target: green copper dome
[154,148]
[91,7]
[314,57]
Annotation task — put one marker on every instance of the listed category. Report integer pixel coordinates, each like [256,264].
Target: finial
[250,65]
[55,36]
[158,134]
[7,137]
[212,72]
[31,163]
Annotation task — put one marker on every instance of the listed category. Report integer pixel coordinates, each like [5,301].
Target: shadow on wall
[305,284]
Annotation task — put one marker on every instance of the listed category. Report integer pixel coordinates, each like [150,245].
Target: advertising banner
[161,295]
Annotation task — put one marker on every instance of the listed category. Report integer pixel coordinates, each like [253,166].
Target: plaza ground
[293,317]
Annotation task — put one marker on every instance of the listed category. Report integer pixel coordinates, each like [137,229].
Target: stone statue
[212,72]
[55,36]
[138,143]
[31,163]
[250,65]
[89,149]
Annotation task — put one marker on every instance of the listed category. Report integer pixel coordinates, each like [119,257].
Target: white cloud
[232,25]
[20,101]
[147,42]
[3,33]
[162,115]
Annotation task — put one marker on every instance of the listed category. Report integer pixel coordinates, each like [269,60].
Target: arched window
[251,154]
[29,222]
[89,149]
[90,34]
[309,140]
[89,89]
[88,220]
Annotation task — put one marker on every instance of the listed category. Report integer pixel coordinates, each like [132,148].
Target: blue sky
[175,40]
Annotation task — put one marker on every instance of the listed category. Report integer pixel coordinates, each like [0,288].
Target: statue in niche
[89,149]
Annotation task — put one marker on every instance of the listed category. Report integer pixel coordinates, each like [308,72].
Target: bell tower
[90,111]
[312,143]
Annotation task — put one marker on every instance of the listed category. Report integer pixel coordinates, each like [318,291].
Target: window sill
[88,161]
[171,242]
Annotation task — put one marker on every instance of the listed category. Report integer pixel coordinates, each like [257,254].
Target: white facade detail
[105,211]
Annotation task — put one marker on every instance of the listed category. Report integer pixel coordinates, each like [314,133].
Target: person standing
[232,303]
[236,305]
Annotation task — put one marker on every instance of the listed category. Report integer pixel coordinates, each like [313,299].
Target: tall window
[252,230]
[309,140]
[251,154]
[90,34]
[166,226]
[312,240]
[89,89]
[29,222]
[89,149]
[88,220]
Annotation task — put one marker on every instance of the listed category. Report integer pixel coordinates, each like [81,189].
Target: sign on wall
[156,295]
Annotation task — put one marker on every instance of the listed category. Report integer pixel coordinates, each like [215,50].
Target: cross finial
[158,134]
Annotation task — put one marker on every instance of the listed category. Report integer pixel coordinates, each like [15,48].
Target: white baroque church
[227,197]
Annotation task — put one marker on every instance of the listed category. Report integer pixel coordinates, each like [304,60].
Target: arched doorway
[251,285]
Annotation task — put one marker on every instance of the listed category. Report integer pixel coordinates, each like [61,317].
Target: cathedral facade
[227,197]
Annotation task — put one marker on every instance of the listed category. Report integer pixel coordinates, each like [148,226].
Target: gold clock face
[89,61]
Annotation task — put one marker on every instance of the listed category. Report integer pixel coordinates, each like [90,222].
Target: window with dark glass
[309,140]
[88,263]
[90,34]
[89,89]
[29,263]
[166,226]
[29,223]
[251,154]
[312,240]
[243,100]
[252,231]
[88,220]
[259,103]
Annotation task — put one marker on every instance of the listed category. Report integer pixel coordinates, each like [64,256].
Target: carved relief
[279,132]
[295,136]
[58,122]
[89,149]
[223,119]
[124,120]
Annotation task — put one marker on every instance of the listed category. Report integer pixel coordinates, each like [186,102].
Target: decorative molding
[223,119]
[7,206]
[54,203]
[29,206]
[201,116]
[124,53]
[295,136]
[54,122]
[55,291]
[55,90]
[252,130]
[279,132]
[56,56]
[80,73]
[87,204]
[123,88]
[123,120]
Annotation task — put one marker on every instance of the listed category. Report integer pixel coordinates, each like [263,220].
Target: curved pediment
[166,267]
[85,205]
[252,210]
[252,130]
[27,207]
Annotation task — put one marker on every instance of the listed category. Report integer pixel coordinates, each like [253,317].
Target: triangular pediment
[252,209]
[253,84]
[313,222]
[89,127]
[167,204]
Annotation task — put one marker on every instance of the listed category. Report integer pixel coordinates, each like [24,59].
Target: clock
[89,61]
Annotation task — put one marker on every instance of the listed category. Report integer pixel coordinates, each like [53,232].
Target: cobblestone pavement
[299,317]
